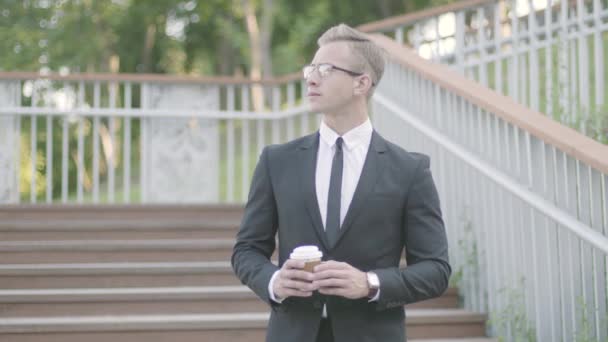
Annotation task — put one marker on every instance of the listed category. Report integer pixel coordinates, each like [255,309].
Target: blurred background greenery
[197,37]
[249,38]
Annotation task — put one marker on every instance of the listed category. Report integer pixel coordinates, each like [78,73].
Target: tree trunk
[385,8]
[226,57]
[255,43]
[148,46]
[266,34]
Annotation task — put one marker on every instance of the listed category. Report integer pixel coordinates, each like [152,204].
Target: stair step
[113,224]
[79,251]
[66,222]
[114,268]
[100,212]
[449,300]
[465,339]
[127,294]
[115,274]
[98,301]
[420,324]
[69,229]
[117,301]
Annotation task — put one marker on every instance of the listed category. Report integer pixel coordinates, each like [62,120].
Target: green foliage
[585,331]
[467,244]
[512,319]
[597,124]
[25,169]
[591,121]
[173,36]
[21,35]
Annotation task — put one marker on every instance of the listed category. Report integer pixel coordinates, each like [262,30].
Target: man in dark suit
[358,197]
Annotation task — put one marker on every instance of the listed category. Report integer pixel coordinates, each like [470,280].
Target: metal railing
[133,138]
[525,200]
[549,56]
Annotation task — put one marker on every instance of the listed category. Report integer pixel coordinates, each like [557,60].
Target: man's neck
[345,121]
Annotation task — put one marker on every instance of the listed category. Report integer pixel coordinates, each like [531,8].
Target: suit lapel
[373,166]
[308,165]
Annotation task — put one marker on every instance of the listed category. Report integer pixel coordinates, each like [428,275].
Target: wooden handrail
[568,140]
[410,18]
[154,78]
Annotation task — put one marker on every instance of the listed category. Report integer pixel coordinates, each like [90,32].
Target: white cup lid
[306,252]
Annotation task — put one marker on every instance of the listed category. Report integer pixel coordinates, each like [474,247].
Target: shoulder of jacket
[411,158]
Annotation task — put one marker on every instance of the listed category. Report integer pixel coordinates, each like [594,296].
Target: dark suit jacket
[395,205]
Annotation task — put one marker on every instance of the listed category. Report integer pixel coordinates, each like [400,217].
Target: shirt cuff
[271,292]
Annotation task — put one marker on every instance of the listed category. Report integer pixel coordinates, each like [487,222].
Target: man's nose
[312,79]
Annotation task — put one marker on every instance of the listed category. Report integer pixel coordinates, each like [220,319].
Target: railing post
[563,64]
[460,32]
[10,94]
[399,35]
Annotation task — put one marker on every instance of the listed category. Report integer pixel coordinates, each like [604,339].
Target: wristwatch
[373,283]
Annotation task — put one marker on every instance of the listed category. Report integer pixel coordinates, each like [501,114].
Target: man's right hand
[293,281]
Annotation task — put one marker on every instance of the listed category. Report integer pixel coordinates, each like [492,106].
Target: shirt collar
[352,138]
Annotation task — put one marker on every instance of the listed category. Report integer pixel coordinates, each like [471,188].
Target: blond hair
[369,57]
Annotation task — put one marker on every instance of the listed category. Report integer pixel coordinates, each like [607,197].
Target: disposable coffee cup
[311,255]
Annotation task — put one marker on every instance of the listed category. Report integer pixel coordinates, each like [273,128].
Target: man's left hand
[340,279]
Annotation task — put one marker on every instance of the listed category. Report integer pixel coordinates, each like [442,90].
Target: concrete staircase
[153,273]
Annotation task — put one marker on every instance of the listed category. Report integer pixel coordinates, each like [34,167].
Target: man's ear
[362,84]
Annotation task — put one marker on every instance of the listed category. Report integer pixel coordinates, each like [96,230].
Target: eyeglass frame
[315,67]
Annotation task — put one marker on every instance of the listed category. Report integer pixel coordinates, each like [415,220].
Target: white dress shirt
[354,150]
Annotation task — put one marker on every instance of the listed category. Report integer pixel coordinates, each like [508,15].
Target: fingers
[293,264]
[340,279]
[332,265]
[333,291]
[292,269]
[293,281]
[288,287]
[295,274]
[331,283]
[345,292]
[296,293]
[298,285]
[339,274]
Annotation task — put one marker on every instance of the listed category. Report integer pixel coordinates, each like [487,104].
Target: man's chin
[314,107]
[317,107]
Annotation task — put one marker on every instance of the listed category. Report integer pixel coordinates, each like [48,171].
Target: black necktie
[332,226]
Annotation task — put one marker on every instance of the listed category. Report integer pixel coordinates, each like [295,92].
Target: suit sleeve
[255,241]
[428,271]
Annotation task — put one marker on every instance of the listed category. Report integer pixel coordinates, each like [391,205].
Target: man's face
[335,90]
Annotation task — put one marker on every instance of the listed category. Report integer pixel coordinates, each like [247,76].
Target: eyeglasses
[325,69]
